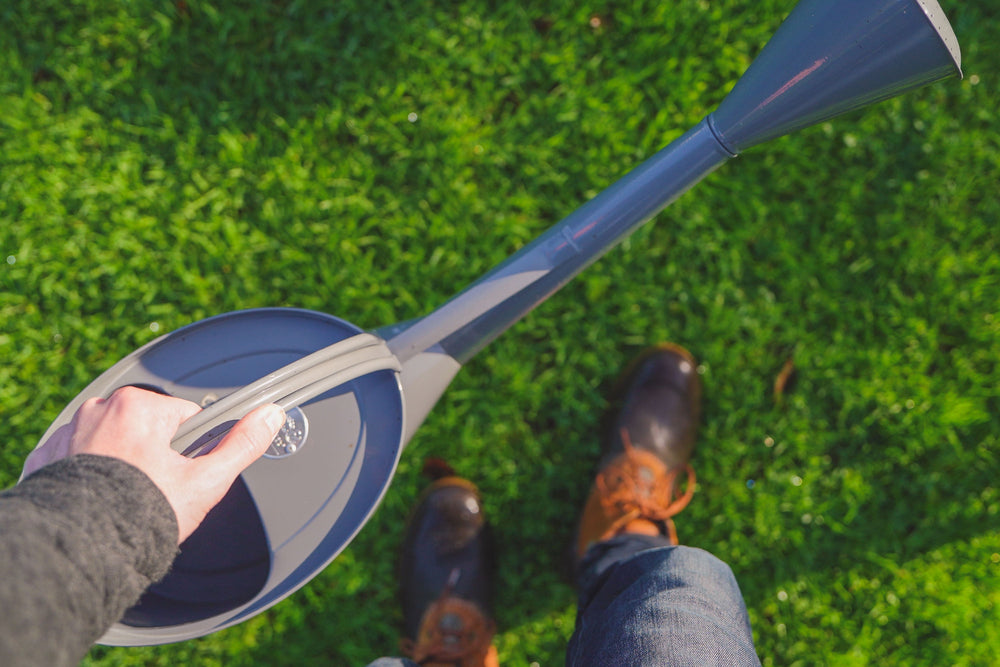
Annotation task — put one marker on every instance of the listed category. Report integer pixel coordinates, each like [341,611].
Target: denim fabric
[644,602]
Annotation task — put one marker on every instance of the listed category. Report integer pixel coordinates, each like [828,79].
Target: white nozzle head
[940,23]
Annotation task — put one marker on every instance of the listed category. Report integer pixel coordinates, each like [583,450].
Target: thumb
[246,441]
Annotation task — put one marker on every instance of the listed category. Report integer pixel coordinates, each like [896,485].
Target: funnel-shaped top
[834,56]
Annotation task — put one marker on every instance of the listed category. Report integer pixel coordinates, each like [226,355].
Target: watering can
[354,399]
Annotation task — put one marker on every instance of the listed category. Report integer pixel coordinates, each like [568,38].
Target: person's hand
[136,426]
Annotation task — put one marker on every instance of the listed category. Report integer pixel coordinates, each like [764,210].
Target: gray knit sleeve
[80,539]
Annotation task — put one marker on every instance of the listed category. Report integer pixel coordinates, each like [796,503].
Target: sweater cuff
[113,502]
[83,537]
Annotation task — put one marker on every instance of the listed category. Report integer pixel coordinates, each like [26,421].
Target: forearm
[80,540]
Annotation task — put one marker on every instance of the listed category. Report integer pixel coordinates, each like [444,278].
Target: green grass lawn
[161,162]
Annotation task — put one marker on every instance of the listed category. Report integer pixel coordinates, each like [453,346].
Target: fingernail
[275,417]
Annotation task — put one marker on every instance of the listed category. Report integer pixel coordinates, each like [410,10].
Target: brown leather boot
[638,486]
[446,583]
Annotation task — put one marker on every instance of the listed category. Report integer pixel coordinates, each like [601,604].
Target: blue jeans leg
[644,602]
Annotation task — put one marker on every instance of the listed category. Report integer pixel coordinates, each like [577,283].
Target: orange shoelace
[453,631]
[638,486]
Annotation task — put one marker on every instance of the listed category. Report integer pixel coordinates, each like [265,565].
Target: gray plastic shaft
[503,296]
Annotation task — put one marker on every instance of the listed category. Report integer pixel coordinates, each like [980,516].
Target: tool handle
[288,386]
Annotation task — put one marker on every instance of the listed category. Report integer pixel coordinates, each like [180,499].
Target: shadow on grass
[215,67]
